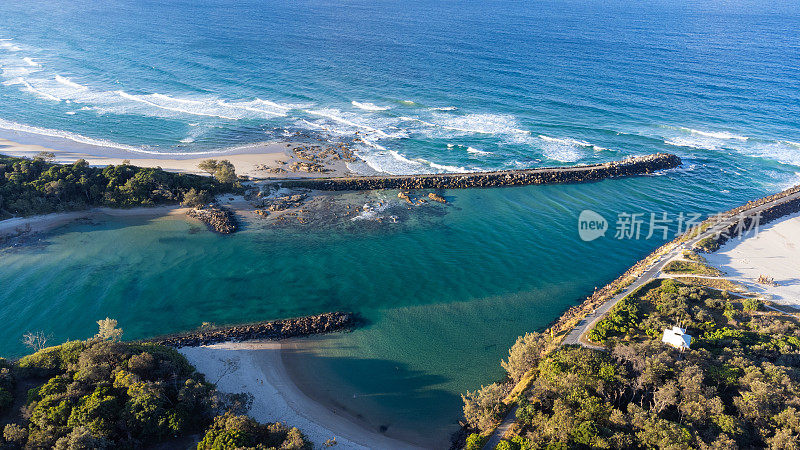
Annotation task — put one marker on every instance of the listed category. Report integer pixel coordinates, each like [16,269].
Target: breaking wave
[369,106]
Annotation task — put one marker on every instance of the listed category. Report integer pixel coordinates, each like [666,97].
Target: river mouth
[445,291]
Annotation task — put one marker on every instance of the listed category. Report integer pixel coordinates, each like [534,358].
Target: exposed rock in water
[437,198]
[405,196]
[272,330]
[219,219]
[286,202]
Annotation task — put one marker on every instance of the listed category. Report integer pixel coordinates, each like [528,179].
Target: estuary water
[418,86]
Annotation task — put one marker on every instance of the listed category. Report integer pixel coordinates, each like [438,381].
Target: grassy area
[720,284]
[692,256]
[691,267]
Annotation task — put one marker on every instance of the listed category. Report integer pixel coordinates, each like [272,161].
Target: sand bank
[259,370]
[774,252]
[253,161]
[18,226]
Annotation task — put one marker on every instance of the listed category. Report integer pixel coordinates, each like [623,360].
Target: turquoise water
[416,86]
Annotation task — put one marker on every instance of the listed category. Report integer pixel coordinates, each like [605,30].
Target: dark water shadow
[382,395]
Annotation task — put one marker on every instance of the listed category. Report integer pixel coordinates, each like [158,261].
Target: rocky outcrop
[272,330]
[287,202]
[576,174]
[219,219]
[436,197]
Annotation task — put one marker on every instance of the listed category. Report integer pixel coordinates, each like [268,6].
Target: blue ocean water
[426,86]
[415,86]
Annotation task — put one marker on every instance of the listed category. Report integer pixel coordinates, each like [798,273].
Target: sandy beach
[258,369]
[254,161]
[773,252]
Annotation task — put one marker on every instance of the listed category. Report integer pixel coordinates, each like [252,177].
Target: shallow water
[430,86]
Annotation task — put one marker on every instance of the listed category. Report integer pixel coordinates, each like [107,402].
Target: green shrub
[475,441]
[751,304]
[53,359]
[505,445]
[230,431]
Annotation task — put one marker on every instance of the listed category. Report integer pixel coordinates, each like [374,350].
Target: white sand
[260,371]
[774,252]
[252,161]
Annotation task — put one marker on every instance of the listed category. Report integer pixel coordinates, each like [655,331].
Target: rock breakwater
[577,174]
[271,330]
[219,219]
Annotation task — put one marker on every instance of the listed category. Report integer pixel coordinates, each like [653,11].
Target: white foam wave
[15,72]
[332,114]
[475,151]
[791,143]
[81,139]
[396,155]
[369,106]
[248,106]
[9,46]
[69,83]
[447,168]
[29,88]
[30,62]
[479,123]
[571,142]
[444,108]
[372,144]
[13,126]
[714,134]
[149,102]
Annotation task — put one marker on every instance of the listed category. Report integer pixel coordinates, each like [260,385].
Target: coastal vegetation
[737,387]
[230,431]
[691,267]
[38,186]
[102,393]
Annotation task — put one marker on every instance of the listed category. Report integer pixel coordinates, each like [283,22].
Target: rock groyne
[576,174]
[271,330]
[219,219]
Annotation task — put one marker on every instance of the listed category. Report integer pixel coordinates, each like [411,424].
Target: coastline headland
[639,165]
[269,330]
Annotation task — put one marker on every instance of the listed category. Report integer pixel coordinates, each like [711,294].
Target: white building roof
[677,338]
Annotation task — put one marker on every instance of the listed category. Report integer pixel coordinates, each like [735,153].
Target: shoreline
[26,226]
[773,252]
[253,161]
[259,369]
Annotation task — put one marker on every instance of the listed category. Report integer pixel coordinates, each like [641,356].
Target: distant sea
[414,86]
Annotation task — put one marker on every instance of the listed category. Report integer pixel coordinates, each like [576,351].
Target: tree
[35,340]
[524,355]
[108,330]
[194,198]
[45,156]
[483,407]
[222,170]
[230,431]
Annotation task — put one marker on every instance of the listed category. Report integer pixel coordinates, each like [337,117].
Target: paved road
[501,429]
[652,272]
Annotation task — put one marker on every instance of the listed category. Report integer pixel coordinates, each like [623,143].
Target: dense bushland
[738,386]
[36,186]
[102,393]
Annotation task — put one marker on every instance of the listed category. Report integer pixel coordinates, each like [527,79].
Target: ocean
[416,86]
